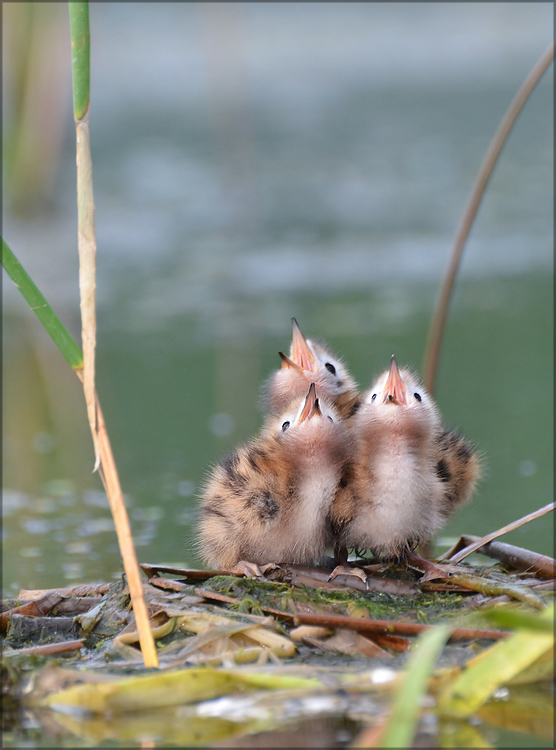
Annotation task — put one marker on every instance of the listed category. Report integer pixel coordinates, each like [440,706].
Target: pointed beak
[311,407]
[288,364]
[395,390]
[301,353]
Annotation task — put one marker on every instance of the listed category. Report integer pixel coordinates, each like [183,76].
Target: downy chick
[268,501]
[311,362]
[408,474]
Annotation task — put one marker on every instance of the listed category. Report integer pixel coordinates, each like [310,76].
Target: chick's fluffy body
[268,500]
[407,476]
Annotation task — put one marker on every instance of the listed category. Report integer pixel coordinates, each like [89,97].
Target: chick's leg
[249,569]
[343,568]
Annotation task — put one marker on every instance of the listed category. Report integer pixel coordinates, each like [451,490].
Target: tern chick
[311,362]
[408,472]
[268,501]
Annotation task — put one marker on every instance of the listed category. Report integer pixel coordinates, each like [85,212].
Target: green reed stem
[44,312]
[80,57]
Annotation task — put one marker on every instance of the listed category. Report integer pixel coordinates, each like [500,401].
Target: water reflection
[522,719]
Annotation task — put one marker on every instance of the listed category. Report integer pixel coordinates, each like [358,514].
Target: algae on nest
[253,594]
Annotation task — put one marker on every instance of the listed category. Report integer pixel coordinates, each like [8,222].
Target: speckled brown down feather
[268,501]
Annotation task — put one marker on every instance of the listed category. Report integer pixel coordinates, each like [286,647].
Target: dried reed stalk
[104,459]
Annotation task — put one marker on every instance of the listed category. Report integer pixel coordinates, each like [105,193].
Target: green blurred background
[254,162]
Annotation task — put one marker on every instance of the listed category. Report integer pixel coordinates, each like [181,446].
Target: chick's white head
[309,428]
[398,396]
[308,413]
[312,362]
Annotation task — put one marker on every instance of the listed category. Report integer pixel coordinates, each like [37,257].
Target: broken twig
[514,557]
[363,625]
[47,649]
[37,608]
[456,558]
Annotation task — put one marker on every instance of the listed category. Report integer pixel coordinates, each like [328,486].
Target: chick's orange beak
[311,407]
[395,390]
[301,353]
[288,364]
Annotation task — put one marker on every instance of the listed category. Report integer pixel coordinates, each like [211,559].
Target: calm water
[176,399]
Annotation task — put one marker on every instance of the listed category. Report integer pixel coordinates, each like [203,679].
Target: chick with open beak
[408,472]
[311,362]
[268,501]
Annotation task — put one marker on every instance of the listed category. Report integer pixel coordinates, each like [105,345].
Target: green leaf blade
[38,304]
[400,728]
[491,670]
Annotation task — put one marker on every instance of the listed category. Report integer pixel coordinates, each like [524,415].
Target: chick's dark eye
[330,367]
[374,396]
[285,426]
[417,396]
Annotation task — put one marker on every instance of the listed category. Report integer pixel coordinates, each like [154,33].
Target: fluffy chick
[311,362]
[408,473]
[268,501]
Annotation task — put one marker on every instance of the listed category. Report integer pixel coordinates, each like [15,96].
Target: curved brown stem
[436,329]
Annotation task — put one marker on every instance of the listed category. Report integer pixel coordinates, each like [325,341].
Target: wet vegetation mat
[374,656]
